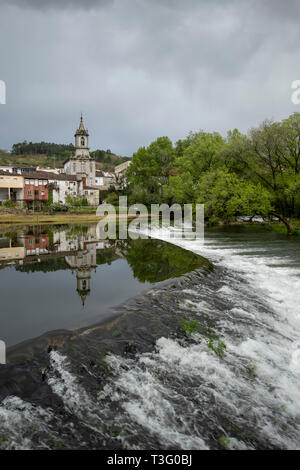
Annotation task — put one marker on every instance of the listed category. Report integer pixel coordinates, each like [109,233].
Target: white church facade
[83,166]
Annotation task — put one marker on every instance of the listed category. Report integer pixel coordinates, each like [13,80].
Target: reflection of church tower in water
[83,282]
[83,262]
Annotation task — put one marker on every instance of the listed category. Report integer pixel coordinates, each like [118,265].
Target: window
[26,181]
[29,192]
[7,179]
[82,141]
[86,192]
[74,166]
[15,179]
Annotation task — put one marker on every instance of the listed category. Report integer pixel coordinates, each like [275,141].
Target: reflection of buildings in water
[10,252]
[20,246]
[36,244]
[83,262]
[78,249]
[68,240]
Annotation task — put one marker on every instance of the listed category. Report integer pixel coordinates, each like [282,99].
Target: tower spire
[81,127]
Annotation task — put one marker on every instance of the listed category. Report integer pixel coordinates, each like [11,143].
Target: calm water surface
[65,277]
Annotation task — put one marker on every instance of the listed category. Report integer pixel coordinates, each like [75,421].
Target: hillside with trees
[51,154]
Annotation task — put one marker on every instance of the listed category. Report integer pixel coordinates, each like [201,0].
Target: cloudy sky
[139,69]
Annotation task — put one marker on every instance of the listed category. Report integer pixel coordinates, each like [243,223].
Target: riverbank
[19,218]
[7,220]
[280,228]
[40,218]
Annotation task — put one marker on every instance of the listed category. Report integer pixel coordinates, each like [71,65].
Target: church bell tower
[82,164]
[82,141]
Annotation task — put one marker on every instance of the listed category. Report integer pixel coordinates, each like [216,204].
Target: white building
[120,172]
[63,185]
[105,179]
[83,166]
[20,169]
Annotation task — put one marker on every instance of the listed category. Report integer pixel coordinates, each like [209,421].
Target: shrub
[112,198]
[76,202]
[59,208]
[9,203]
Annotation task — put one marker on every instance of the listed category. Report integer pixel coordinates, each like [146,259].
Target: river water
[227,374]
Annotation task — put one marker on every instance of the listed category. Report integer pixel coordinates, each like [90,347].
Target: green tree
[271,155]
[226,197]
[198,154]
[150,169]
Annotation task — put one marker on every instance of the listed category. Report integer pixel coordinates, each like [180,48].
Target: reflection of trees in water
[44,266]
[150,260]
[155,260]
[76,230]
[107,256]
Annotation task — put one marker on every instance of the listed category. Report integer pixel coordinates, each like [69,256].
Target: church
[83,166]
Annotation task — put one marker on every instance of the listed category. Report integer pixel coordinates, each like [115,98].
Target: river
[207,357]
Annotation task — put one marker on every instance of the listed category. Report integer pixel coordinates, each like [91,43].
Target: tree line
[257,173]
[35,148]
[62,151]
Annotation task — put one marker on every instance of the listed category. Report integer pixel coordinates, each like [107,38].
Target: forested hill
[52,154]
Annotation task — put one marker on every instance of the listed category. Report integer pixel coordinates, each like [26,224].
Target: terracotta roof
[10,165]
[99,173]
[7,173]
[60,176]
[37,175]
[46,175]
[91,187]
[42,175]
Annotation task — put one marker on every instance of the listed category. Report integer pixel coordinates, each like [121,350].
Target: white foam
[19,420]
[266,294]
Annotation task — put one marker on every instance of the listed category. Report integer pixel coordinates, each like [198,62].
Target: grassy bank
[81,215]
[53,219]
[277,227]
[280,228]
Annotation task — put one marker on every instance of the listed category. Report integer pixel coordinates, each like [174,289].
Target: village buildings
[79,178]
[105,179]
[11,186]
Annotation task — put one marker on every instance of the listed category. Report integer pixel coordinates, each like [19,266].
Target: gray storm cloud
[140,69]
[58,4]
